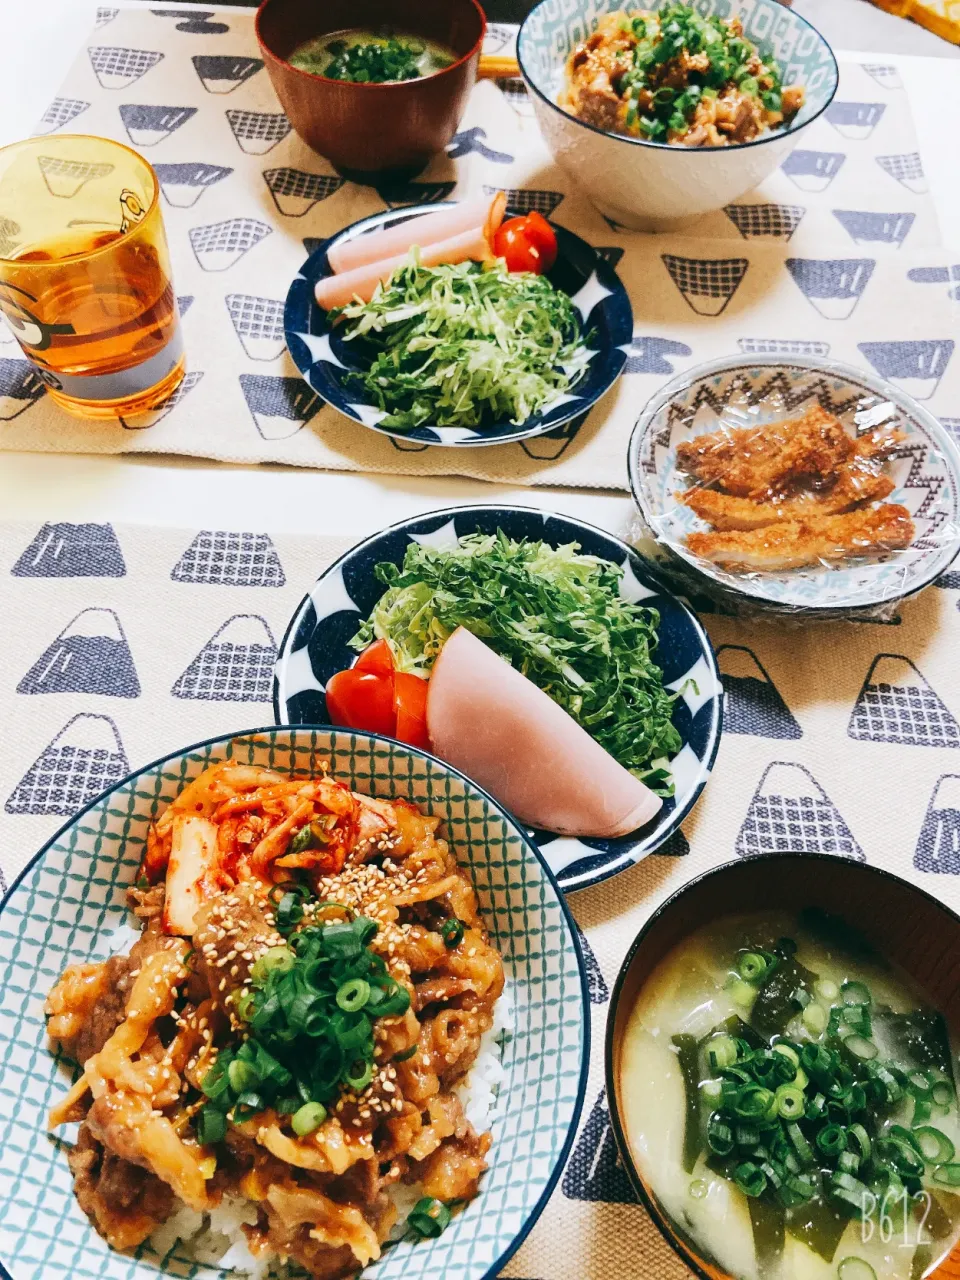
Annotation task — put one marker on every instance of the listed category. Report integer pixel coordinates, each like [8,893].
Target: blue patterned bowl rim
[277,730]
[609,301]
[526,35]
[624,851]
[939,558]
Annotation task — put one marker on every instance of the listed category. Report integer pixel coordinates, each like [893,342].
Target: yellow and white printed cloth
[839,739]
[837,248]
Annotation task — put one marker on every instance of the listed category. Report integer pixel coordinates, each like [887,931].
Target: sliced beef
[106,1012]
[124,1202]
[228,931]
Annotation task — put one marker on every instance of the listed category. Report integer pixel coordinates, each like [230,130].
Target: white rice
[122,939]
[217,1239]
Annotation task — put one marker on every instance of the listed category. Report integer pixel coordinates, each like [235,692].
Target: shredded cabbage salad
[555,615]
[464,345]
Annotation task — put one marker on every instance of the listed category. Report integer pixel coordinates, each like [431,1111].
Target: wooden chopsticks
[495,66]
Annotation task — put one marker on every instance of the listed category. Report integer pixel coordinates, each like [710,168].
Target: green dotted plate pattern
[70,899]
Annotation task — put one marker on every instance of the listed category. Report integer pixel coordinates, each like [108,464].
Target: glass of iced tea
[85,280]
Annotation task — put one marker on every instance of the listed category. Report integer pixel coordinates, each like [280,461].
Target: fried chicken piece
[755,462]
[815,540]
[855,485]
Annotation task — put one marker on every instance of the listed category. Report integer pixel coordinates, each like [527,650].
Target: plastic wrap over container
[794,488]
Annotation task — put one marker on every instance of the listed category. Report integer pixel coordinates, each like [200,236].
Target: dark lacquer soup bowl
[865,1202]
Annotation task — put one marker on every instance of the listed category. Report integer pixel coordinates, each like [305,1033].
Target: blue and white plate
[325,360]
[316,646]
[69,902]
[752,390]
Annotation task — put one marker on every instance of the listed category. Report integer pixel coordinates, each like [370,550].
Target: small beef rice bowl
[664,115]
[672,76]
[303,1049]
[786,1091]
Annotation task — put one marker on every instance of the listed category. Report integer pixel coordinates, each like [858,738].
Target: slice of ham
[337,291]
[497,727]
[427,229]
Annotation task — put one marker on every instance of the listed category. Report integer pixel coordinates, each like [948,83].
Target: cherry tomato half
[377,658]
[526,244]
[362,700]
[411,702]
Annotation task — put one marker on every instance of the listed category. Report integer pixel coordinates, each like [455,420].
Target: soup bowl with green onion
[782,1072]
[375,86]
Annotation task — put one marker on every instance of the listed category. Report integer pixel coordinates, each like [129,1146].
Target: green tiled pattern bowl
[70,900]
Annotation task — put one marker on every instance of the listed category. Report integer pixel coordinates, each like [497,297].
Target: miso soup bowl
[651,186]
[905,924]
[373,132]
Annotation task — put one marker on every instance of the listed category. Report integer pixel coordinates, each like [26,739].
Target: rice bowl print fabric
[841,738]
[837,253]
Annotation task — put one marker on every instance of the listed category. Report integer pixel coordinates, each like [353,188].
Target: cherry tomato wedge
[362,700]
[377,658]
[411,703]
[540,232]
[526,244]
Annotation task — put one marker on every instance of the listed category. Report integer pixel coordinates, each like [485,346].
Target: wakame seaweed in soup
[790,1100]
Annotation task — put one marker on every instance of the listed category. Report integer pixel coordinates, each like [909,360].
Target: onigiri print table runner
[819,724]
[834,254]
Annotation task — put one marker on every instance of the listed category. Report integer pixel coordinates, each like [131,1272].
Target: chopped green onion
[948,1175]
[279,959]
[721,1052]
[855,993]
[753,966]
[814,1018]
[801,1146]
[847,1162]
[309,1117]
[712,1090]
[353,995]
[359,1075]
[719,1136]
[289,913]
[919,1084]
[791,1102]
[942,1093]
[247,1105]
[832,1140]
[429,1218]
[242,1076]
[934,1146]
[860,1048]
[827,990]
[754,1101]
[452,931]
[407,1054]
[211,1126]
[750,1178]
[862,1139]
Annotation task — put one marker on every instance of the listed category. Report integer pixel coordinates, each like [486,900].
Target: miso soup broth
[790,1100]
[368,57]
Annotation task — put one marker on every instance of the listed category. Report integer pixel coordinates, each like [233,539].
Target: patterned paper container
[747,390]
[69,900]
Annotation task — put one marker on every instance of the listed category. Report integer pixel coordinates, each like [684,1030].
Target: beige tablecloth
[836,249]
[119,644]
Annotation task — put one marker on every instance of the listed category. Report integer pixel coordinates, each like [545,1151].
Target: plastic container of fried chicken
[796,487]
